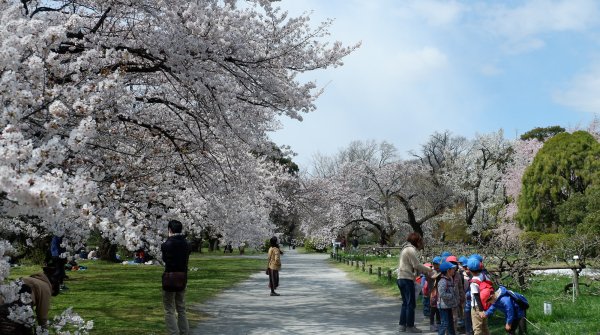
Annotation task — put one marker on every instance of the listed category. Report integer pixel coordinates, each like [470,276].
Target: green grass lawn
[127,299]
[581,317]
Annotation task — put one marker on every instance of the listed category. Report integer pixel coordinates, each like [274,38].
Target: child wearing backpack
[480,286]
[513,305]
[447,298]
[467,293]
[434,313]
[459,286]
[425,292]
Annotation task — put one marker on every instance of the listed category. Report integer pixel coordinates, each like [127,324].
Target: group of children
[459,295]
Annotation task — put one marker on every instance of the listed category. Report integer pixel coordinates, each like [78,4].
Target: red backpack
[486,289]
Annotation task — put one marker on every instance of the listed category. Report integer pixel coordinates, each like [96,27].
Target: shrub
[551,241]
[530,238]
[313,245]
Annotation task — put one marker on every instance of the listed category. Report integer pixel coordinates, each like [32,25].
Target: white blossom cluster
[475,176]
[20,310]
[68,323]
[369,187]
[22,314]
[523,153]
[119,116]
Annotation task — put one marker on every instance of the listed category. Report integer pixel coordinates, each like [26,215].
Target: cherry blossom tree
[594,127]
[475,176]
[118,116]
[330,199]
[522,156]
[369,187]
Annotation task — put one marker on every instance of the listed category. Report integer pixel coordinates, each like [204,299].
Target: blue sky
[464,66]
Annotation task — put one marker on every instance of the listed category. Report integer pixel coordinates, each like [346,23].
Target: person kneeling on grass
[506,301]
[41,287]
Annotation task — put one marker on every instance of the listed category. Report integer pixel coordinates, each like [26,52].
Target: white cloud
[427,65]
[582,93]
[523,26]
[418,64]
[491,70]
[434,12]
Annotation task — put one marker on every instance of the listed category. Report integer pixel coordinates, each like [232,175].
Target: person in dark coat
[175,254]
[59,262]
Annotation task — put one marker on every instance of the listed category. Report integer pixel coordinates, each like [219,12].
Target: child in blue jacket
[514,315]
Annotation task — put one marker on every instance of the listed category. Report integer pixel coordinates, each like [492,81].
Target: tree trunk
[196,244]
[384,238]
[213,244]
[107,251]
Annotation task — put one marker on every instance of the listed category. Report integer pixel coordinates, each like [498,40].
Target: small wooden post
[389,275]
[357,264]
[575,283]
[363,266]
[379,272]
[370,269]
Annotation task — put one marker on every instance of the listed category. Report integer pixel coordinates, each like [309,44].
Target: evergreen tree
[563,169]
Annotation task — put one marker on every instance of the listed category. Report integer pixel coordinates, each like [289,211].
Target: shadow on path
[315,299]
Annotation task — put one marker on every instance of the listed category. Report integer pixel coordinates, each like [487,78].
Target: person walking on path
[175,253]
[408,268]
[274,265]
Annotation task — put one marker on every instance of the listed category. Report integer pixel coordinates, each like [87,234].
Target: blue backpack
[519,299]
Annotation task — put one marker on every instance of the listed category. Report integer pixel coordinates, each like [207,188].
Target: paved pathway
[315,299]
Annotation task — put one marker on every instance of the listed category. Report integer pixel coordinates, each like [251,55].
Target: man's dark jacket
[175,253]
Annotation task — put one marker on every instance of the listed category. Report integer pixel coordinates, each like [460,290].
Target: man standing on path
[408,267]
[175,253]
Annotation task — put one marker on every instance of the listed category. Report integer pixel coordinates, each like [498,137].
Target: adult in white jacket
[409,267]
